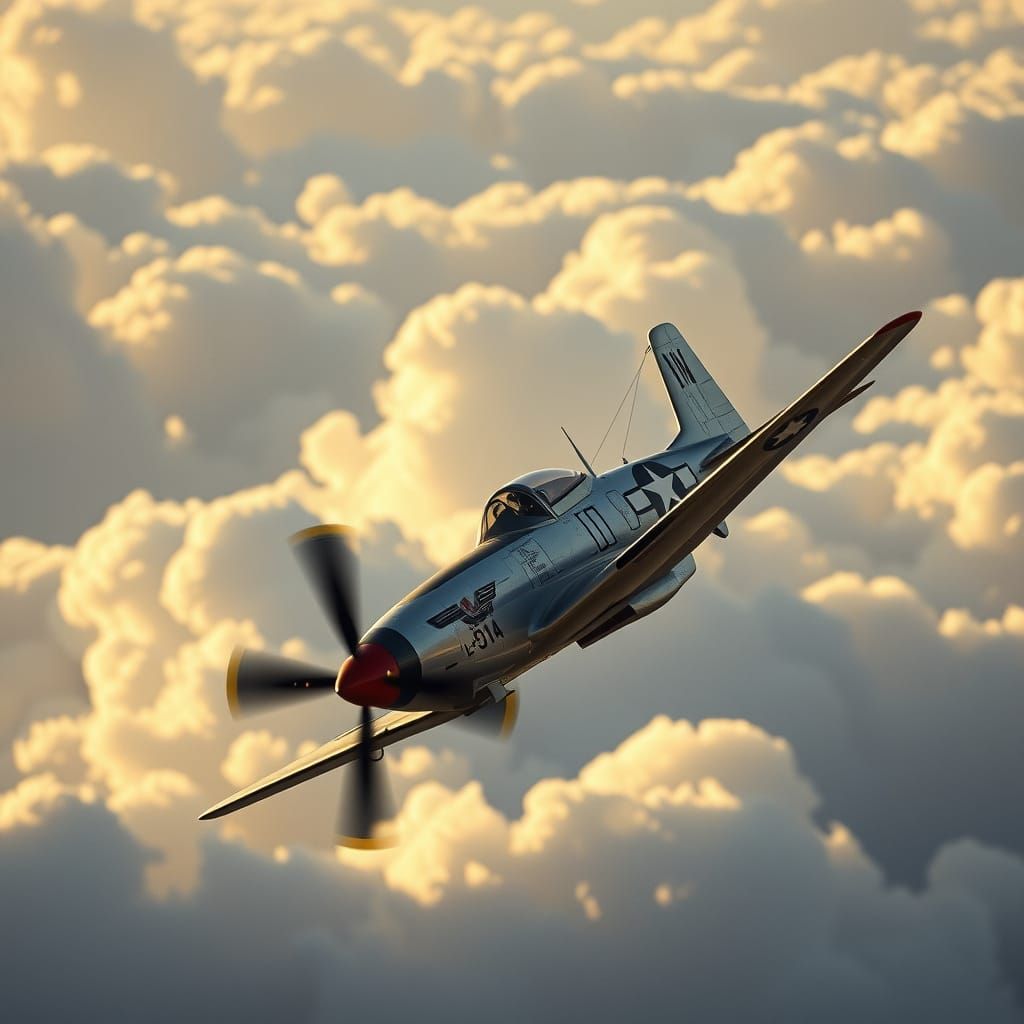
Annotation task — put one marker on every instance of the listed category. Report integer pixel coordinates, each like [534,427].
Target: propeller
[257,680]
[494,719]
[367,805]
[330,567]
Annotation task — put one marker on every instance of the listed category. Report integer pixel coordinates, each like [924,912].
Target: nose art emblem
[470,610]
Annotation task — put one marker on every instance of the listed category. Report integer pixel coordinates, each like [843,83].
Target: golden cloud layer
[270,263]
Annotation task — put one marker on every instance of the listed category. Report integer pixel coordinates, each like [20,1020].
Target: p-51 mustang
[563,557]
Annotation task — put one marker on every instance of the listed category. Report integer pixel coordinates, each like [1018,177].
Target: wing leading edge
[741,469]
[388,729]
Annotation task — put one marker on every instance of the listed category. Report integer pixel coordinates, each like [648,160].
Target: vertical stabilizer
[702,408]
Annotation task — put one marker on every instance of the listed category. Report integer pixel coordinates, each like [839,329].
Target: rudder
[702,408]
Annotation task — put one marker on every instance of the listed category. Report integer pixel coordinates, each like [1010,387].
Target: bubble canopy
[528,501]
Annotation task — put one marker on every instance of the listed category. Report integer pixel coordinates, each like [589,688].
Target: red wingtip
[907,318]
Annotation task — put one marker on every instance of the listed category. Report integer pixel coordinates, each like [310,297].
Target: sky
[266,263]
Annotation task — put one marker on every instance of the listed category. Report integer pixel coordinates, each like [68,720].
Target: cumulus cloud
[244,379]
[977,113]
[263,266]
[443,361]
[39,654]
[133,647]
[73,421]
[650,123]
[693,840]
[814,175]
[647,258]
[154,375]
[879,693]
[69,66]
[998,357]
[112,198]
[275,93]
[950,483]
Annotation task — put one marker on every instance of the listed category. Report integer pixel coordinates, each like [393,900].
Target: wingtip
[907,318]
[216,811]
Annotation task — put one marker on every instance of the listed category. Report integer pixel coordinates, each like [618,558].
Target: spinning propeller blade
[494,719]
[329,563]
[257,681]
[367,805]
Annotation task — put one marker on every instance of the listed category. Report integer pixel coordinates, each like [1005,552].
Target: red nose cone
[369,678]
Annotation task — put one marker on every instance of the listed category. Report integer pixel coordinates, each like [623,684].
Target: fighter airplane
[563,557]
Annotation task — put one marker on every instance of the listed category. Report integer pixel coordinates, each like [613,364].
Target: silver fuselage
[490,642]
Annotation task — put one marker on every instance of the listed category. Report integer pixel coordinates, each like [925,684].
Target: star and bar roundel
[658,486]
[790,430]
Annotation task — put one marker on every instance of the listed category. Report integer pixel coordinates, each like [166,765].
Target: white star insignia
[664,488]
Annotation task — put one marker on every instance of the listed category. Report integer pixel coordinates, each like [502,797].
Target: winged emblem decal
[470,610]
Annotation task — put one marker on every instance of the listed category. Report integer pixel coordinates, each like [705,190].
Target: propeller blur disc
[494,719]
[366,815]
[257,681]
[329,563]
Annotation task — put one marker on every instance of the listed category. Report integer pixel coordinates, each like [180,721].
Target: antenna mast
[578,452]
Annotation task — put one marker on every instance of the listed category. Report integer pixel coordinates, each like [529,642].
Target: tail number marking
[479,639]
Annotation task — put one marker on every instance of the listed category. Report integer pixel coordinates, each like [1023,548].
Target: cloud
[92,432]
[360,262]
[967,132]
[813,175]
[974,28]
[997,357]
[168,385]
[753,43]
[228,376]
[650,258]
[69,65]
[426,404]
[446,168]
[150,604]
[631,125]
[995,878]
[39,653]
[108,196]
[409,248]
[707,849]
[867,680]
[440,398]
[274,93]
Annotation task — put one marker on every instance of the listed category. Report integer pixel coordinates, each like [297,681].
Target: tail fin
[701,407]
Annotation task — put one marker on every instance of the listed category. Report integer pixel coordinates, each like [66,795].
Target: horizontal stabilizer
[855,393]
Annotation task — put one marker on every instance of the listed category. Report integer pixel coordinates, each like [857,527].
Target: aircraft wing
[388,729]
[739,469]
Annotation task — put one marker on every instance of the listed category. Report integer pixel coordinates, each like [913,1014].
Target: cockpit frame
[531,500]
